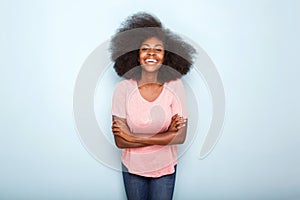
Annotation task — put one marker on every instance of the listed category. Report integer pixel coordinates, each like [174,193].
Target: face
[151,54]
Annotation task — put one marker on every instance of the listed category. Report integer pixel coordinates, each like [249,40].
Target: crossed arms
[124,138]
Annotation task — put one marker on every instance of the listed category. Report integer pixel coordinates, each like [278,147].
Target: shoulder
[174,85]
[125,85]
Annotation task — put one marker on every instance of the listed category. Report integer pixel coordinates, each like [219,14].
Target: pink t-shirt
[149,118]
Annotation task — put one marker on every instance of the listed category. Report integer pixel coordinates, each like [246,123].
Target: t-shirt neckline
[145,100]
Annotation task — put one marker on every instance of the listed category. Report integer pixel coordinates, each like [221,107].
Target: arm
[119,109]
[121,142]
[176,133]
[165,138]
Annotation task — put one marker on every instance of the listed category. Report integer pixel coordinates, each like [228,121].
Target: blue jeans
[147,188]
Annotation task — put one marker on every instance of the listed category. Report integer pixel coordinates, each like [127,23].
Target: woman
[149,110]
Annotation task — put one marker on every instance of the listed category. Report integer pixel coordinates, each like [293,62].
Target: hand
[177,122]
[120,128]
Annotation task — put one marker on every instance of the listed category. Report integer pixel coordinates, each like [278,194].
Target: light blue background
[255,46]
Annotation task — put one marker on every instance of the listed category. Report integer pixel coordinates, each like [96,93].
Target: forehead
[152,41]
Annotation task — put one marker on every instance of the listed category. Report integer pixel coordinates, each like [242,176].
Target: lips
[151,61]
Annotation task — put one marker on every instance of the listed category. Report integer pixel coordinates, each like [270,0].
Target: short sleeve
[179,100]
[119,100]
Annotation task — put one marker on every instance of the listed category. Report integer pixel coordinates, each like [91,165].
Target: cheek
[161,56]
[140,57]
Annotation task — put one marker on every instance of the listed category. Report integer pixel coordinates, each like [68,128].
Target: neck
[148,77]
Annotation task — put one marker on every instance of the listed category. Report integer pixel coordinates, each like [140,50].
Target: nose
[151,52]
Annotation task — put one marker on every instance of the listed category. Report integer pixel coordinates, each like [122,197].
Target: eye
[145,49]
[158,50]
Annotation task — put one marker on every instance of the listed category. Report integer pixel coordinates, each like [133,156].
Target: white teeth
[151,60]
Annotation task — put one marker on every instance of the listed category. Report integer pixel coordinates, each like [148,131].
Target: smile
[151,61]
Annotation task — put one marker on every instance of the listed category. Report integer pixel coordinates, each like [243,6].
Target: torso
[151,91]
[149,110]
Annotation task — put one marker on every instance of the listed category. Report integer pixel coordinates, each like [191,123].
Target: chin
[151,68]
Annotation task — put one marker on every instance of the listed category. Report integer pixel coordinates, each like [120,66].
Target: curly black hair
[125,45]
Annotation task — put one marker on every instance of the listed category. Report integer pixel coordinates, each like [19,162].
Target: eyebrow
[154,45]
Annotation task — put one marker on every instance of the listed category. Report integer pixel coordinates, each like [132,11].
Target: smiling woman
[151,55]
[149,109]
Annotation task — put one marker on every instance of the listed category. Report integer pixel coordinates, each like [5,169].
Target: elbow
[181,139]
[181,136]
[119,143]
[120,146]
